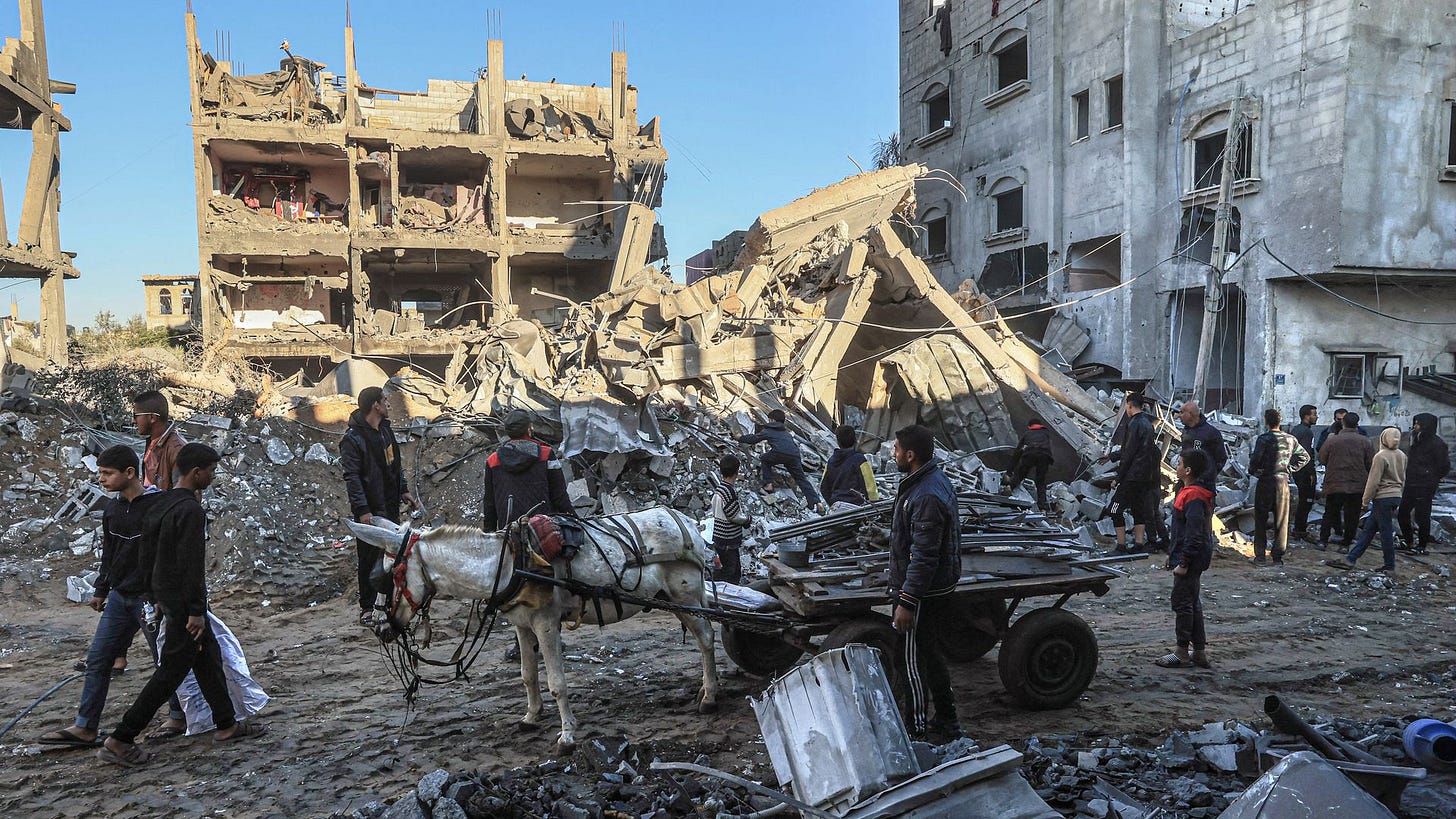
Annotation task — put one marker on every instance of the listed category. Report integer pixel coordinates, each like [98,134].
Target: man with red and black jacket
[522,477]
[1032,457]
[1189,558]
[925,566]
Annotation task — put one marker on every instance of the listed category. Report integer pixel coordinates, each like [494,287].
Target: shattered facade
[26,103]
[1089,137]
[170,301]
[336,218]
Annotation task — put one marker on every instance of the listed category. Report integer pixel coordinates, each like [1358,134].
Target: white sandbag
[742,598]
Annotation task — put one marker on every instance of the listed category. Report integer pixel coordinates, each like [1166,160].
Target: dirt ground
[340,736]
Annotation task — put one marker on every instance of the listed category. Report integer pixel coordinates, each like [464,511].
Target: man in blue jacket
[782,451]
[925,566]
[848,479]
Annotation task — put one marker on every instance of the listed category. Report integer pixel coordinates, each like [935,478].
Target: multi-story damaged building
[337,218]
[1088,142]
[26,102]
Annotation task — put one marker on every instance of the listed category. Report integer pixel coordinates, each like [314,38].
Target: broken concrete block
[612,466]
[28,429]
[578,490]
[1087,760]
[661,465]
[278,452]
[615,504]
[1223,757]
[317,454]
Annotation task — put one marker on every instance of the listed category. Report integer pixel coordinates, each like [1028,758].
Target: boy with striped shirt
[728,522]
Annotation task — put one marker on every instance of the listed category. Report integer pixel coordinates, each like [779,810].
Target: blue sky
[768,97]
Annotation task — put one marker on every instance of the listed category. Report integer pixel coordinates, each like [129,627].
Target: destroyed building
[169,301]
[338,218]
[26,103]
[1089,138]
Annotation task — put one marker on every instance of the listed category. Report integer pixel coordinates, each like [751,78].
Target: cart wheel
[759,654]
[875,630]
[1048,658]
[972,628]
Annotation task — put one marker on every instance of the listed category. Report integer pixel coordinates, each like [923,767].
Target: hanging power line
[1265,244]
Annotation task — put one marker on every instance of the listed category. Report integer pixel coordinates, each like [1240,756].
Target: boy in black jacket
[1033,456]
[1189,558]
[174,545]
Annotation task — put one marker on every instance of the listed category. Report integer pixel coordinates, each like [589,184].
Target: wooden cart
[1048,654]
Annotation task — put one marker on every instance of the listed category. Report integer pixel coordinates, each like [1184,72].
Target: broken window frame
[1082,115]
[1000,209]
[1112,102]
[936,222]
[932,6]
[1372,367]
[1243,166]
[936,96]
[164,301]
[186,301]
[1451,138]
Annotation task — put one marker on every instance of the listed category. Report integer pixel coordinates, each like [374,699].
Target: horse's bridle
[399,582]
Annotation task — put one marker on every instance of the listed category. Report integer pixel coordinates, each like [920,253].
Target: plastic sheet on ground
[248,697]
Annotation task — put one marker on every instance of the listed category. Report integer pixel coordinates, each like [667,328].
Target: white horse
[465,563]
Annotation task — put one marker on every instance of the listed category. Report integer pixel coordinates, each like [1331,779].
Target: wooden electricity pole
[1213,290]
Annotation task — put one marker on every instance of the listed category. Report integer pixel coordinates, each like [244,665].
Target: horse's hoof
[526,725]
[564,747]
[707,708]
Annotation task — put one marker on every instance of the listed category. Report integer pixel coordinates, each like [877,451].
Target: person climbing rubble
[1032,457]
[783,451]
[849,480]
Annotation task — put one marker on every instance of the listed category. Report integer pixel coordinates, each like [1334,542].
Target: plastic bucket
[1432,743]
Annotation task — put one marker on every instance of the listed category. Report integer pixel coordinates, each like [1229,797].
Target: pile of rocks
[603,777]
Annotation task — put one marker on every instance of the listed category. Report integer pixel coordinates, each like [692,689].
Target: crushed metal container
[833,731]
[1304,784]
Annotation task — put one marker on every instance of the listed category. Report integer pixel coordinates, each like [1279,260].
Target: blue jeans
[1382,517]
[120,621]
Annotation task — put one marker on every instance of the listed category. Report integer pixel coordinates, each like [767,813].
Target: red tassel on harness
[548,536]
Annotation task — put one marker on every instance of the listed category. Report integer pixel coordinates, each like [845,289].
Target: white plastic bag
[248,697]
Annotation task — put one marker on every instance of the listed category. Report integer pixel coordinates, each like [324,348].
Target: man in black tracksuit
[522,477]
[1033,456]
[1428,462]
[1138,474]
[1199,434]
[782,451]
[925,566]
[174,545]
[374,478]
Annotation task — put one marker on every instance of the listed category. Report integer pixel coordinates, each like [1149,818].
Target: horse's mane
[453,530]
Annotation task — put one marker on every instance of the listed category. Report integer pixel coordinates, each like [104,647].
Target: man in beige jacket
[1382,493]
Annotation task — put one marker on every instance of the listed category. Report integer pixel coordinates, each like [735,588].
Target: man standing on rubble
[782,451]
[1276,455]
[1199,434]
[925,566]
[1303,432]
[152,416]
[1139,471]
[1033,456]
[849,480]
[374,477]
[1347,457]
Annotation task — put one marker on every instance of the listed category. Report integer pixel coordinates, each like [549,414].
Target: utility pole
[1213,290]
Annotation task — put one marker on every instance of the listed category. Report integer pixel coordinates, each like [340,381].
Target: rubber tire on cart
[875,630]
[1048,658]
[761,655]
[961,641]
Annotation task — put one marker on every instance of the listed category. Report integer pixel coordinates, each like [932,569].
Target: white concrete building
[1088,137]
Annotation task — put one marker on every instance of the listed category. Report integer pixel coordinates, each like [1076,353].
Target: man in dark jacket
[522,477]
[1304,479]
[1189,558]
[1276,455]
[174,545]
[1138,473]
[849,478]
[1428,462]
[1347,457]
[925,566]
[782,451]
[120,587]
[374,478]
[1199,434]
[1033,456]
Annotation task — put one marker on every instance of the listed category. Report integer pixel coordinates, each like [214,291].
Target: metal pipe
[1289,722]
